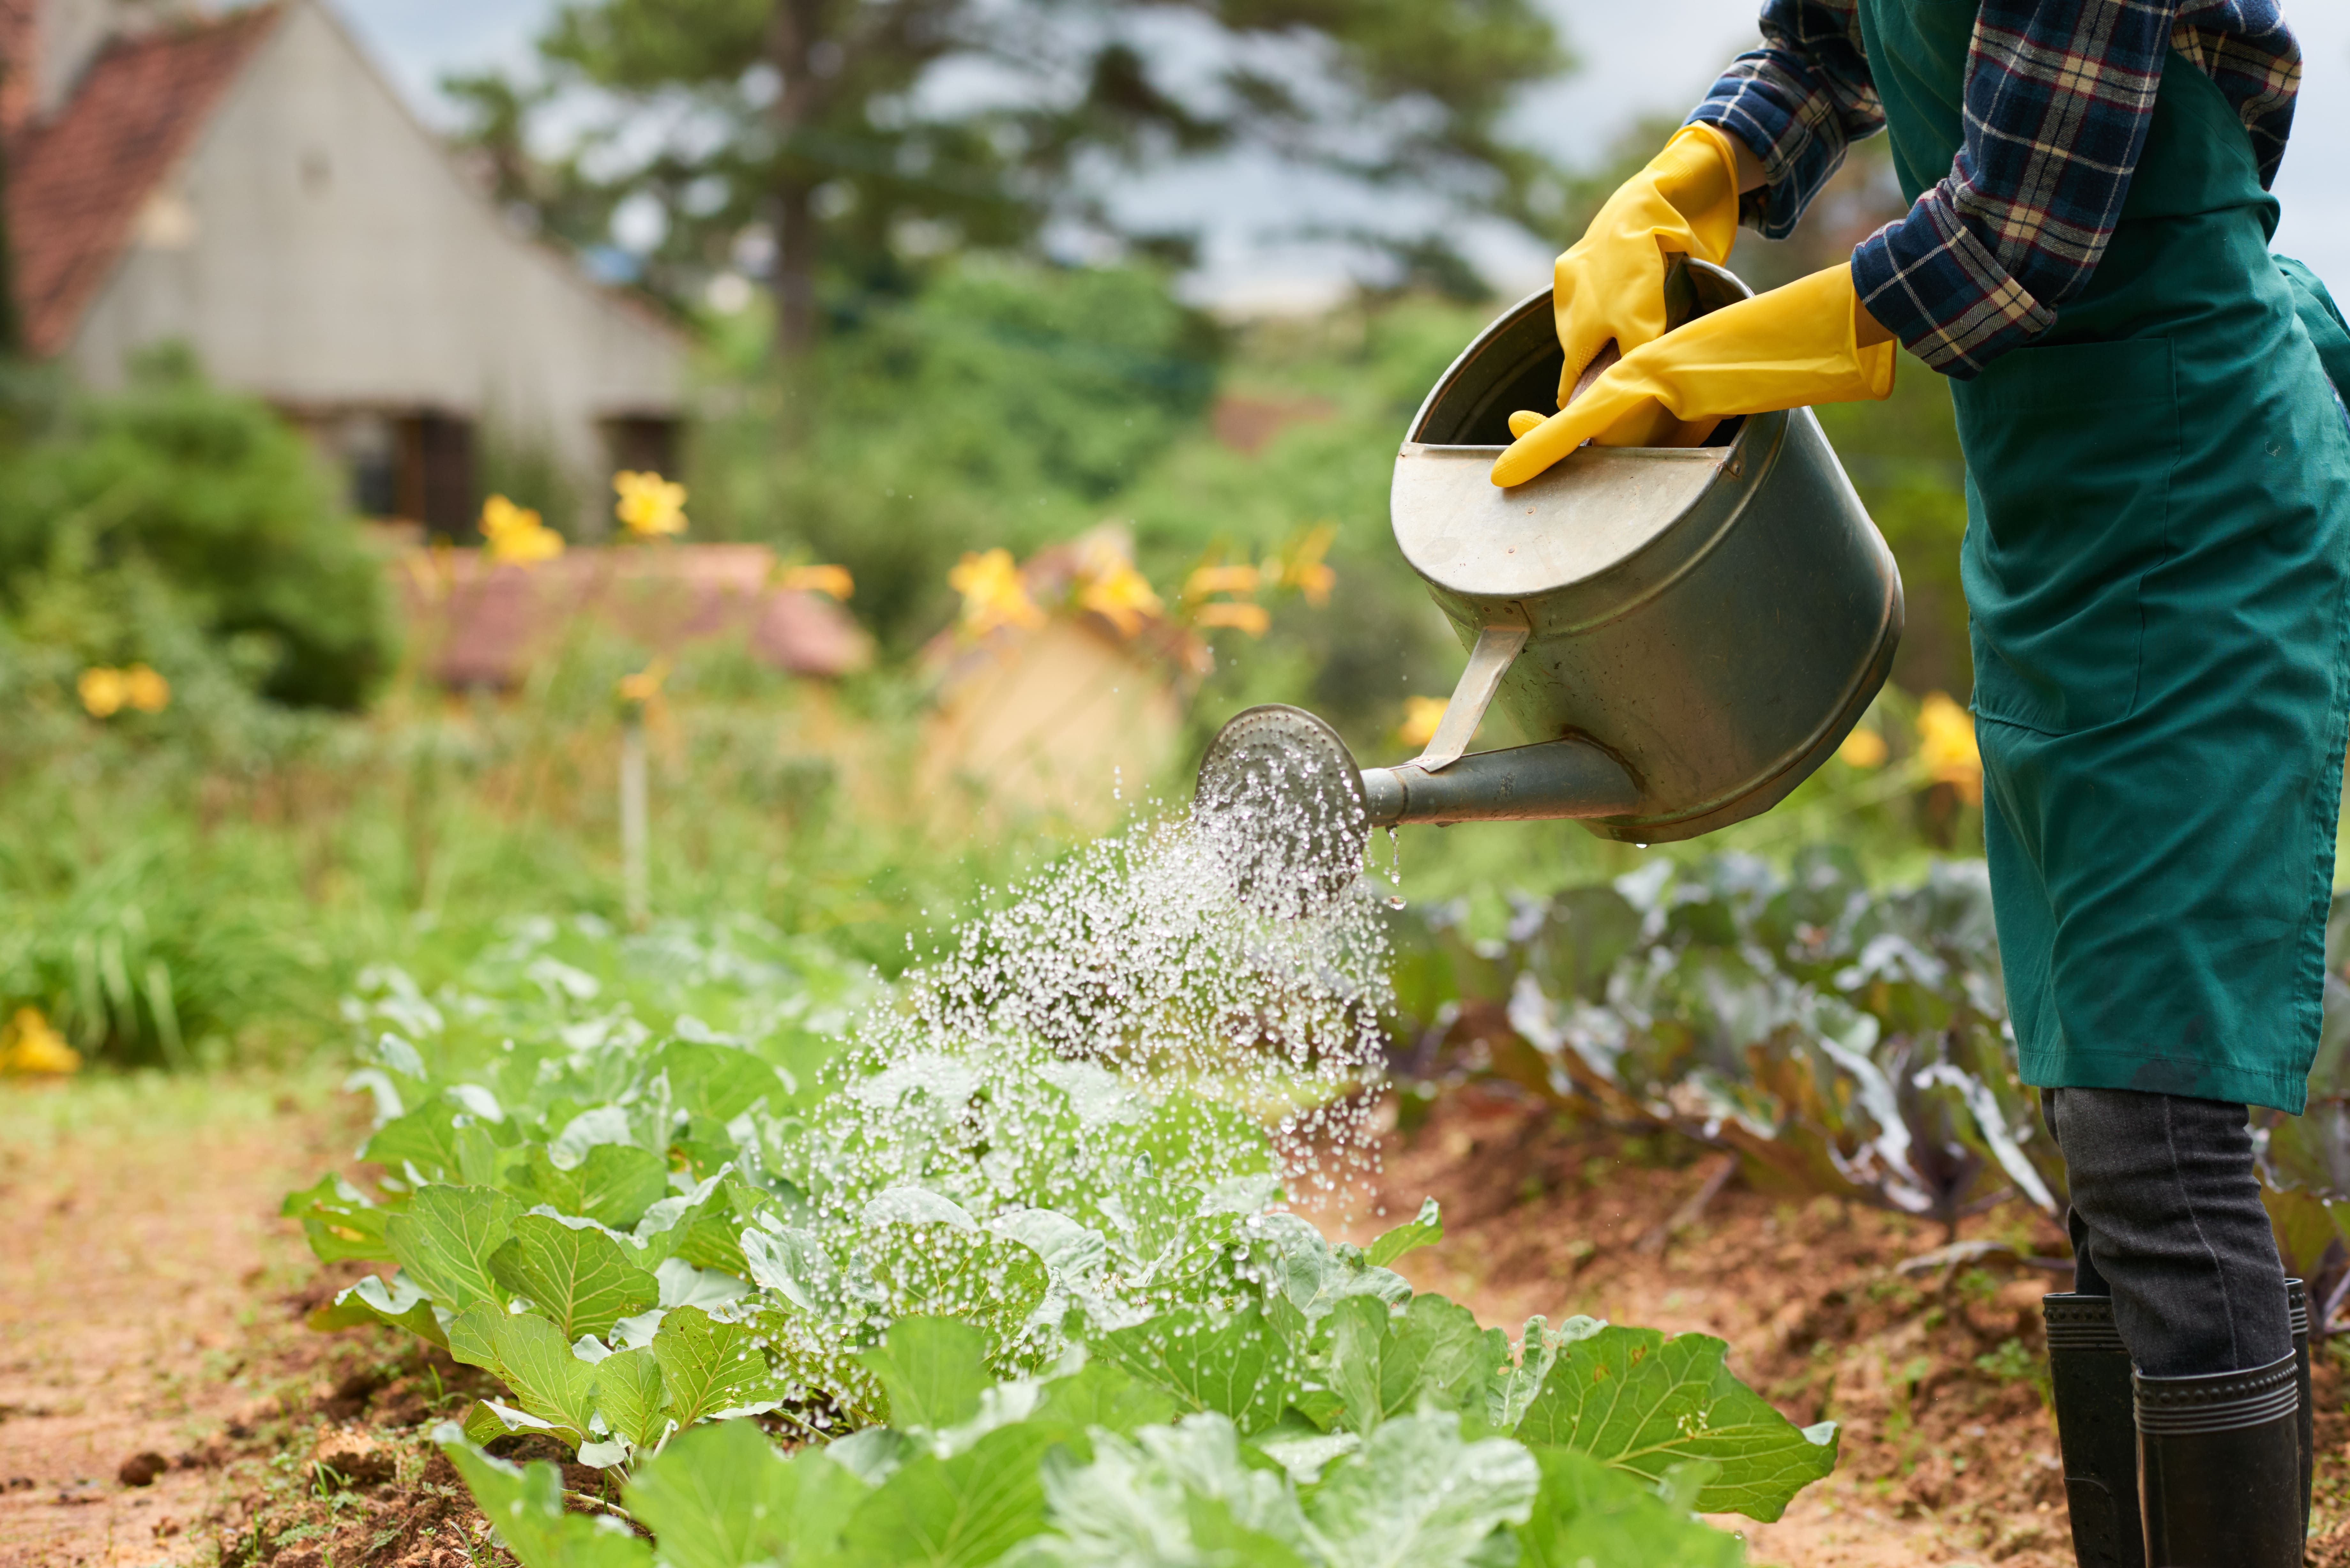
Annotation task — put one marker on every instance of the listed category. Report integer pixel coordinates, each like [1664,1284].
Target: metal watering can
[1683,634]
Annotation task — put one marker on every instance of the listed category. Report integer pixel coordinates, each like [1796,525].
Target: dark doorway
[642,442]
[436,485]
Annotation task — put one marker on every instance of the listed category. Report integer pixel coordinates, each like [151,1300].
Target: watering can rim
[1541,298]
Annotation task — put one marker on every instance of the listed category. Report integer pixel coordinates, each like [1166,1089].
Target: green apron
[2157,575]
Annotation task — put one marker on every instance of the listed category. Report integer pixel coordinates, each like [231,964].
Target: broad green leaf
[547,1380]
[1588,1512]
[719,1497]
[720,1082]
[398,1304]
[487,1421]
[633,1398]
[933,1369]
[1632,1399]
[1234,1364]
[472,1335]
[1383,1365]
[445,1239]
[524,1506]
[1312,1275]
[576,1274]
[1514,1387]
[708,1366]
[613,1185]
[959,1512]
[1181,1494]
[1416,1494]
[943,1270]
[1103,1395]
[1423,1232]
[709,1235]
[439,1141]
[340,1222]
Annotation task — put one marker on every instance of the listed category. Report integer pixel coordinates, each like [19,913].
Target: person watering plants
[2157,566]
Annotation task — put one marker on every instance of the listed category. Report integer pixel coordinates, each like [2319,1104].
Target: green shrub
[174,509]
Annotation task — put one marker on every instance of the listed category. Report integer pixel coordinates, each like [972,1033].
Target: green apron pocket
[2069,455]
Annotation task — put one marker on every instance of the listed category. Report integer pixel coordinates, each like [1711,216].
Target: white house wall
[318,248]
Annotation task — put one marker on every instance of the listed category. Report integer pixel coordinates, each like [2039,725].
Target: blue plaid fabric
[2058,94]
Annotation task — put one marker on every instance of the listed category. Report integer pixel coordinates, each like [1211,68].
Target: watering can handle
[1480,679]
[1600,363]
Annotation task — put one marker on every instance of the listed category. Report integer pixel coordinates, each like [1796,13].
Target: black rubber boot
[2219,1467]
[2296,1301]
[2089,1373]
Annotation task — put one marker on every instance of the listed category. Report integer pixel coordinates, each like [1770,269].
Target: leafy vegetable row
[1013,1306]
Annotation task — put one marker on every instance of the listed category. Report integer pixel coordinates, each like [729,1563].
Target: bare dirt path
[143,1284]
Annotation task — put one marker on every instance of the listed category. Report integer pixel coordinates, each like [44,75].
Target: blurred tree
[799,138]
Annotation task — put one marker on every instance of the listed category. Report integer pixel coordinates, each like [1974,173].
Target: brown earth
[150,1307]
[161,1401]
[1947,1454]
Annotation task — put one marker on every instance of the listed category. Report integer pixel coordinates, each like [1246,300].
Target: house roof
[77,180]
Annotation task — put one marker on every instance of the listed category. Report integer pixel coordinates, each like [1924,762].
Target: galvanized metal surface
[1281,802]
[1714,618]
[1519,783]
[1497,649]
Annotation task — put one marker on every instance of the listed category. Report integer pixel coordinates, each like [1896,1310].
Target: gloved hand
[1788,348]
[1610,283]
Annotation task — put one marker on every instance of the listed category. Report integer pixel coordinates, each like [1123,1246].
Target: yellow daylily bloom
[650,505]
[517,534]
[1122,596]
[1421,715]
[103,691]
[29,1045]
[834,582]
[1864,748]
[1206,580]
[1239,616]
[646,683]
[1946,744]
[1302,566]
[993,593]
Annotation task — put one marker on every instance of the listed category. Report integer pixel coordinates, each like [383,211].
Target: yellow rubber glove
[1788,348]
[1610,283]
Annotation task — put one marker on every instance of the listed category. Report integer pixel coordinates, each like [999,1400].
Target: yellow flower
[1206,580]
[646,683]
[1250,618]
[993,593]
[1946,745]
[649,504]
[103,691]
[832,581]
[146,691]
[1864,748]
[1421,715]
[517,534]
[1120,595]
[29,1045]
[1303,569]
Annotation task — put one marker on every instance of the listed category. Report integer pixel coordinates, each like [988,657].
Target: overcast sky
[1647,56]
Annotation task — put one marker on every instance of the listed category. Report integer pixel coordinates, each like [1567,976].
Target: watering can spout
[1568,778]
[1288,813]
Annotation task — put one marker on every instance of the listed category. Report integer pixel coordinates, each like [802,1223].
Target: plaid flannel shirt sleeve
[1796,103]
[2058,95]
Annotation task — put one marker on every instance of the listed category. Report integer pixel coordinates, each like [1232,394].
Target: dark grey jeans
[2167,1220]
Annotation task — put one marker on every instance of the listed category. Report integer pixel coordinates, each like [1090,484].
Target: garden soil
[151,1308]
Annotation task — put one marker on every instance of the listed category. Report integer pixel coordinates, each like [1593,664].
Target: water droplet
[1395,901]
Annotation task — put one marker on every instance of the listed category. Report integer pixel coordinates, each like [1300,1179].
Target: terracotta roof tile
[19,38]
[78,180]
